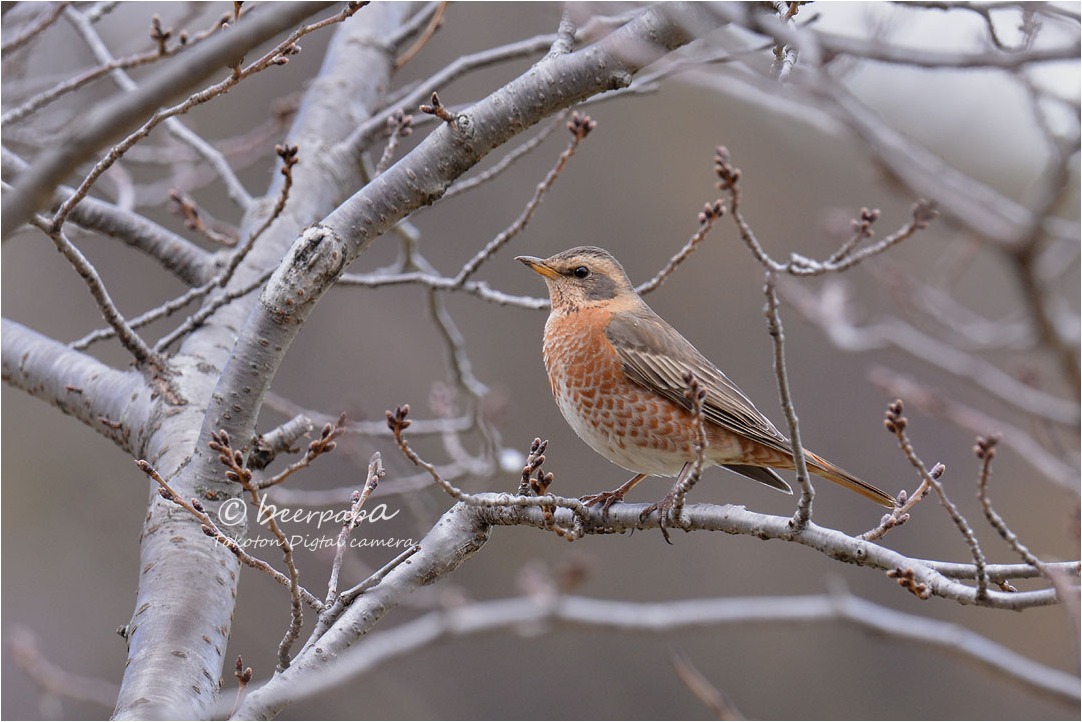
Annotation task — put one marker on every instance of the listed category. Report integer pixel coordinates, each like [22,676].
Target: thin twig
[580,126]
[708,216]
[807,493]
[127,335]
[207,310]
[399,125]
[900,514]
[896,423]
[985,449]
[375,473]
[35,28]
[211,529]
[325,444]
[695,395]
[186,206]
[243,676]
[507,160]
[434,24]
[923,213]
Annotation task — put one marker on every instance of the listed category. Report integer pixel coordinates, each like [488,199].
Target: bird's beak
[538,266]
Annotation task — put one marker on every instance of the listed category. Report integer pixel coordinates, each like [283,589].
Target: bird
[619,374]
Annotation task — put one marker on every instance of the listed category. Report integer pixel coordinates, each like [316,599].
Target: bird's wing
[656,356]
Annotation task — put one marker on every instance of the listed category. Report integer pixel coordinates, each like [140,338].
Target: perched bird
[618,370]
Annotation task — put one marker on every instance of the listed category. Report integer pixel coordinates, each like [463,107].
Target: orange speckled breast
[624,422]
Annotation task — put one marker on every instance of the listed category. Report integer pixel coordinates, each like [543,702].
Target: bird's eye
[581,272]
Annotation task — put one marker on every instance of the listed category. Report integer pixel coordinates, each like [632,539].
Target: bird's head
[582,277]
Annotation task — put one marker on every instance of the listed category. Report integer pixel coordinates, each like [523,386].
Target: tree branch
[174,252]
[125,112]
[114,403]
[576,612]
[464,529]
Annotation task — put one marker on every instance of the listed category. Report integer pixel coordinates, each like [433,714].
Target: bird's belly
[623,441]
[627,424]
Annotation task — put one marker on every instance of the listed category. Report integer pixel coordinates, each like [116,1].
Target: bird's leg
[664,506]
[608,498]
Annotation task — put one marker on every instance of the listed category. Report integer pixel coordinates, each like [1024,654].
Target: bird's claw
[606,499]
[663,509]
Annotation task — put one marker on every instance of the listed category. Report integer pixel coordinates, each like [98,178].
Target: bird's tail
[821,467]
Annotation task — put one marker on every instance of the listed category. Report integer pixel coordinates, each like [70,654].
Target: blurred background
[74,505]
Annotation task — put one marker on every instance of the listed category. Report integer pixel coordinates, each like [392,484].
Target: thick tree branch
[116,404]
[190,467]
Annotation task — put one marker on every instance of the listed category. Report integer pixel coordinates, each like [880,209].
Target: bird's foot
[605,499]
[608,498]
[664,514]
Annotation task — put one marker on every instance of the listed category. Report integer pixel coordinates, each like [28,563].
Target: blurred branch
[57,91]
[874,50]
[176,254]
[46,18]
[697,683]
[827,309]
[434,23]
[179,131]
[125,112]
[936,402]
[51,680]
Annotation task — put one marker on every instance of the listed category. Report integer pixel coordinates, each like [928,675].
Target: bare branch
[985,450]
[707,218]
[434,24]
[116,117]
[178,255]
[125,333]
[179,131]
[46,18]
[896,424]
[380,646]
[580,126]
[804,506]
[375,473]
